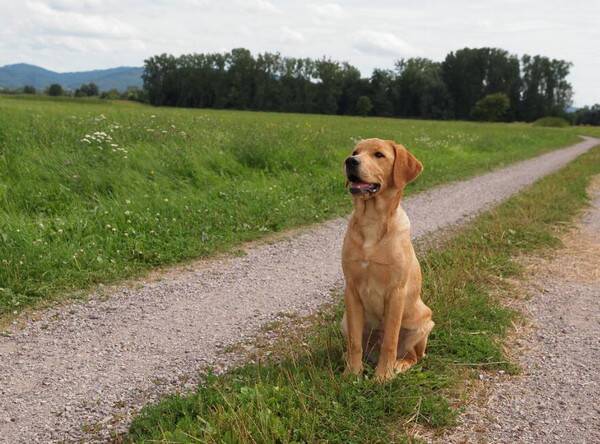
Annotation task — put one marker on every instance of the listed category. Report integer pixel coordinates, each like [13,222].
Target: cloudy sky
[70,35]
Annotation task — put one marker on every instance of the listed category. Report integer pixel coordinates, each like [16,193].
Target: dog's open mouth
[359,187]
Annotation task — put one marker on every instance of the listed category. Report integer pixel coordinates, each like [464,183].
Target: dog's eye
[379,155]
[354,153]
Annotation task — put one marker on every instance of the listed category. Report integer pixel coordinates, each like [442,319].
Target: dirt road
[556,398]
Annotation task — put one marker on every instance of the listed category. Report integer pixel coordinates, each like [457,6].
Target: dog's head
[377,166]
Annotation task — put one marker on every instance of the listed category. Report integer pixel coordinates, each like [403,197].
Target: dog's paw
[384,373]
[403,365]
[355,370]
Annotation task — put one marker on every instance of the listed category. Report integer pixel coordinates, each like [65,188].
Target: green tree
[363,106]
[28,89]
[87,90]
[381,83]
[241,78]
[546,91]
[419,90]
[111,94]
[491,108]
[55,90]
[472,73]
[353,87]
[330,86]
[587,115]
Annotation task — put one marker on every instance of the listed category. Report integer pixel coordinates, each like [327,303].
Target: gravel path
[556,398]
[78,372]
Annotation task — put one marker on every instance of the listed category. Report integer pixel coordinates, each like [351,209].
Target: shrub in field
[55,90]
[87,90]
[587,115]
[491,108]
[551,122]
[111,94]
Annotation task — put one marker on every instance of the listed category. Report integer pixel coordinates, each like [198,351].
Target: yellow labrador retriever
[383,306]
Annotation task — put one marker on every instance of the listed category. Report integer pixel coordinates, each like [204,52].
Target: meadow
[95,191]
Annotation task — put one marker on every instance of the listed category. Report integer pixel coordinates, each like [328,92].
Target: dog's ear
[406,166]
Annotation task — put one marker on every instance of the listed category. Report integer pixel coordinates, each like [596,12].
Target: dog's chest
[376,269]
[373,286]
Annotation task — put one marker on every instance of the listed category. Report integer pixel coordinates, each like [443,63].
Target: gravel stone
[78,373]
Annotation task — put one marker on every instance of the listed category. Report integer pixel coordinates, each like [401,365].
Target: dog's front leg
[394,309]
[355,322]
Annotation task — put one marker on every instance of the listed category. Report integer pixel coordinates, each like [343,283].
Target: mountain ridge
[18,75]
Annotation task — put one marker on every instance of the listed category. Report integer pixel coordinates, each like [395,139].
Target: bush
[111,94]
[491,108]
[363,106]
[55,90]
[87,90]
[553,122]
[587,115]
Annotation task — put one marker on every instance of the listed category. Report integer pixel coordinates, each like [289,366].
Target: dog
[382,298]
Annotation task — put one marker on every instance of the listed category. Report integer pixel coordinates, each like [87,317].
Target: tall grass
[95,191]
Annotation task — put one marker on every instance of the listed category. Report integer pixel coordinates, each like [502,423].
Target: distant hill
[21,74]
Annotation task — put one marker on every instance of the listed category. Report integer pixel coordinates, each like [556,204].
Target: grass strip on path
[299,394]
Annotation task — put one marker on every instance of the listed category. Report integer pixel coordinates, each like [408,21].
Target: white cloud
[328,10]
[382,44]
[78,5]
[288,35]
[58,22]
[258,6]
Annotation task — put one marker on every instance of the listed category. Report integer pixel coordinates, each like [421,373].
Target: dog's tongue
[361,185]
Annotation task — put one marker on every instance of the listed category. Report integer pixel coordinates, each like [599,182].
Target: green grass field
[299,394]
[94,191]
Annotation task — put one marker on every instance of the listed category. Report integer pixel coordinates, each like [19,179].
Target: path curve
[93,363]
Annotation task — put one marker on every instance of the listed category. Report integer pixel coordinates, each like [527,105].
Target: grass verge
[96,191]
[300,394]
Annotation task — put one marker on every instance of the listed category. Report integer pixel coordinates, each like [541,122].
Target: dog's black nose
[352,161]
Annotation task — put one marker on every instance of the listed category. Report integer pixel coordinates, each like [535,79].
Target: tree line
[85,90]
[470,83]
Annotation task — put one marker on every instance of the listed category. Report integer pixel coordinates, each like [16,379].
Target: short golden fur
[383,306]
